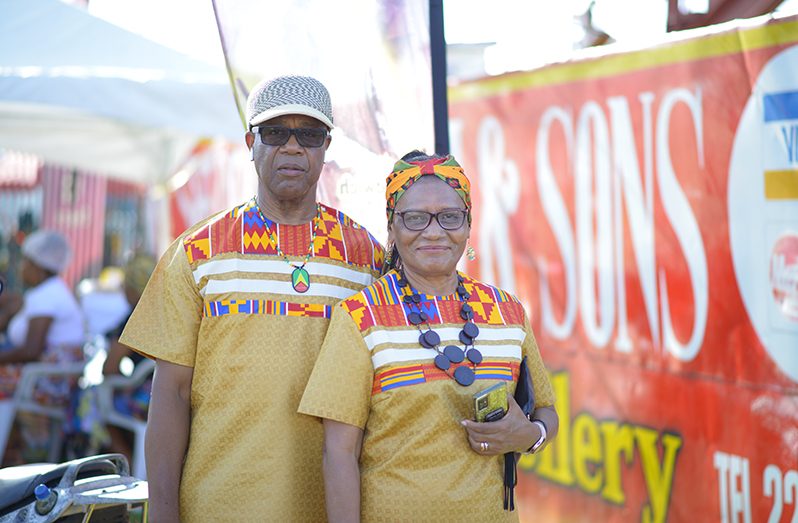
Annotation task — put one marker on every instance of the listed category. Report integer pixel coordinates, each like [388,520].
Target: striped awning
[18,170]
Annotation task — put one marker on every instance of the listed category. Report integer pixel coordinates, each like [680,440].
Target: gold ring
[484,446]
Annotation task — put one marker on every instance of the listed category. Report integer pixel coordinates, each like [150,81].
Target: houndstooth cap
[289,95]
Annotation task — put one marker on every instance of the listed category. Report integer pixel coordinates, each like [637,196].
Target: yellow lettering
[618,440]
[587,453]
[659,478]
[553,464]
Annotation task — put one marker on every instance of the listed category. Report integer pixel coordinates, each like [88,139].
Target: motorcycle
[98,489]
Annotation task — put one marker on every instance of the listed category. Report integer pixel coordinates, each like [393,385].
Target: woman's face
[433,251]
[30,272]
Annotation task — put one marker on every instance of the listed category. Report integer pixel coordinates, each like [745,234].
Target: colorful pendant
[300,279]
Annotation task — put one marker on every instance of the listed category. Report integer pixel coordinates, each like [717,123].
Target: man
[235,314]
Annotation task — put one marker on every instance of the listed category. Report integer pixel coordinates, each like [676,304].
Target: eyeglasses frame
[435,216]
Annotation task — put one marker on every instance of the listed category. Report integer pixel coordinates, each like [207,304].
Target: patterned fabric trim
[241,230]
[448,336]
[217,267]
[424,372]
[284,288]
[383,292]
[380,304]
[404,356]
[279,308]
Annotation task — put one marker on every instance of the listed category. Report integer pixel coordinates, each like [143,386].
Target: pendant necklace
[300,279]
[451,354]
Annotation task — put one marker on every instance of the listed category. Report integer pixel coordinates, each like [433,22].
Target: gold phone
[491,404]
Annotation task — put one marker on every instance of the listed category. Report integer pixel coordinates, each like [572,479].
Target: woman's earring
[471,254]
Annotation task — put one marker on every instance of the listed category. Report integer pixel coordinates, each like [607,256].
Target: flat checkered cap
[289,95]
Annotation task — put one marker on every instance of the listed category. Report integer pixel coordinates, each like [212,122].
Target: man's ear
[249,138]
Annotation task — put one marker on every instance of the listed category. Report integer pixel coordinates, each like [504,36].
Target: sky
[528,34]
[525,33]
[187,26]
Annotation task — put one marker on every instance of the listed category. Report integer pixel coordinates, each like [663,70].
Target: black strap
[525,397]
[510,479]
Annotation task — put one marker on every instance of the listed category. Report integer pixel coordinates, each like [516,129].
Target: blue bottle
[45,499]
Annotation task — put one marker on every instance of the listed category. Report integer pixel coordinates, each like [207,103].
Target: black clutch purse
[525,397]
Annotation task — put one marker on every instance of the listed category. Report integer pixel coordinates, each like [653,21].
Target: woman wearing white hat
[49,326]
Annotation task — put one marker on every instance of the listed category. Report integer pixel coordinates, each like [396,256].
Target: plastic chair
[111,416]
[24,400]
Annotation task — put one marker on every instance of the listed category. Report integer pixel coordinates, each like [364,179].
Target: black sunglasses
[276,135]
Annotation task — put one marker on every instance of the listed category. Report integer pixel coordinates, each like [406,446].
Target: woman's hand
[513,433]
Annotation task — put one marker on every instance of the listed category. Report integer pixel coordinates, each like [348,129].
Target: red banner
[215,176]
[73,203]
[644,207]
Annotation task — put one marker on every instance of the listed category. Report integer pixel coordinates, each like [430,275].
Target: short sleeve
[166,320]
[340,384]
[43,301]
[544,393]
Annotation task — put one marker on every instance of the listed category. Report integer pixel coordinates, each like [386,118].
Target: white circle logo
[763,209]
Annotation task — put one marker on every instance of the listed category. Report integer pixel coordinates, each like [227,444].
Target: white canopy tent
[80,92]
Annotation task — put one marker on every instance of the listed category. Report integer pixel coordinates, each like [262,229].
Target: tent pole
[440,104]
[229,68]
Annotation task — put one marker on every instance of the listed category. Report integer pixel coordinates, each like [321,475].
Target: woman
[87,434]
[402,360]
[49,327]
[136,400]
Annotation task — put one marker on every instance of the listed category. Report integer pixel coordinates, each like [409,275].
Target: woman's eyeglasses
[448,219]
[276,135]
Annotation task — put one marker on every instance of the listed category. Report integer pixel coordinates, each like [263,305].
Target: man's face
[289,171]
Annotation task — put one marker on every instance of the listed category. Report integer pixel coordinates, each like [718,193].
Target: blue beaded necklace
[451,354]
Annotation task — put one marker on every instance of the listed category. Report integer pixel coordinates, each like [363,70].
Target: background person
[235,314]
[10,304]
[135,401]
[87,434]
[402,360]
[49,327]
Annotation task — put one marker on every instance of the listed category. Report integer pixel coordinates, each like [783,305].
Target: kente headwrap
[405,174]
